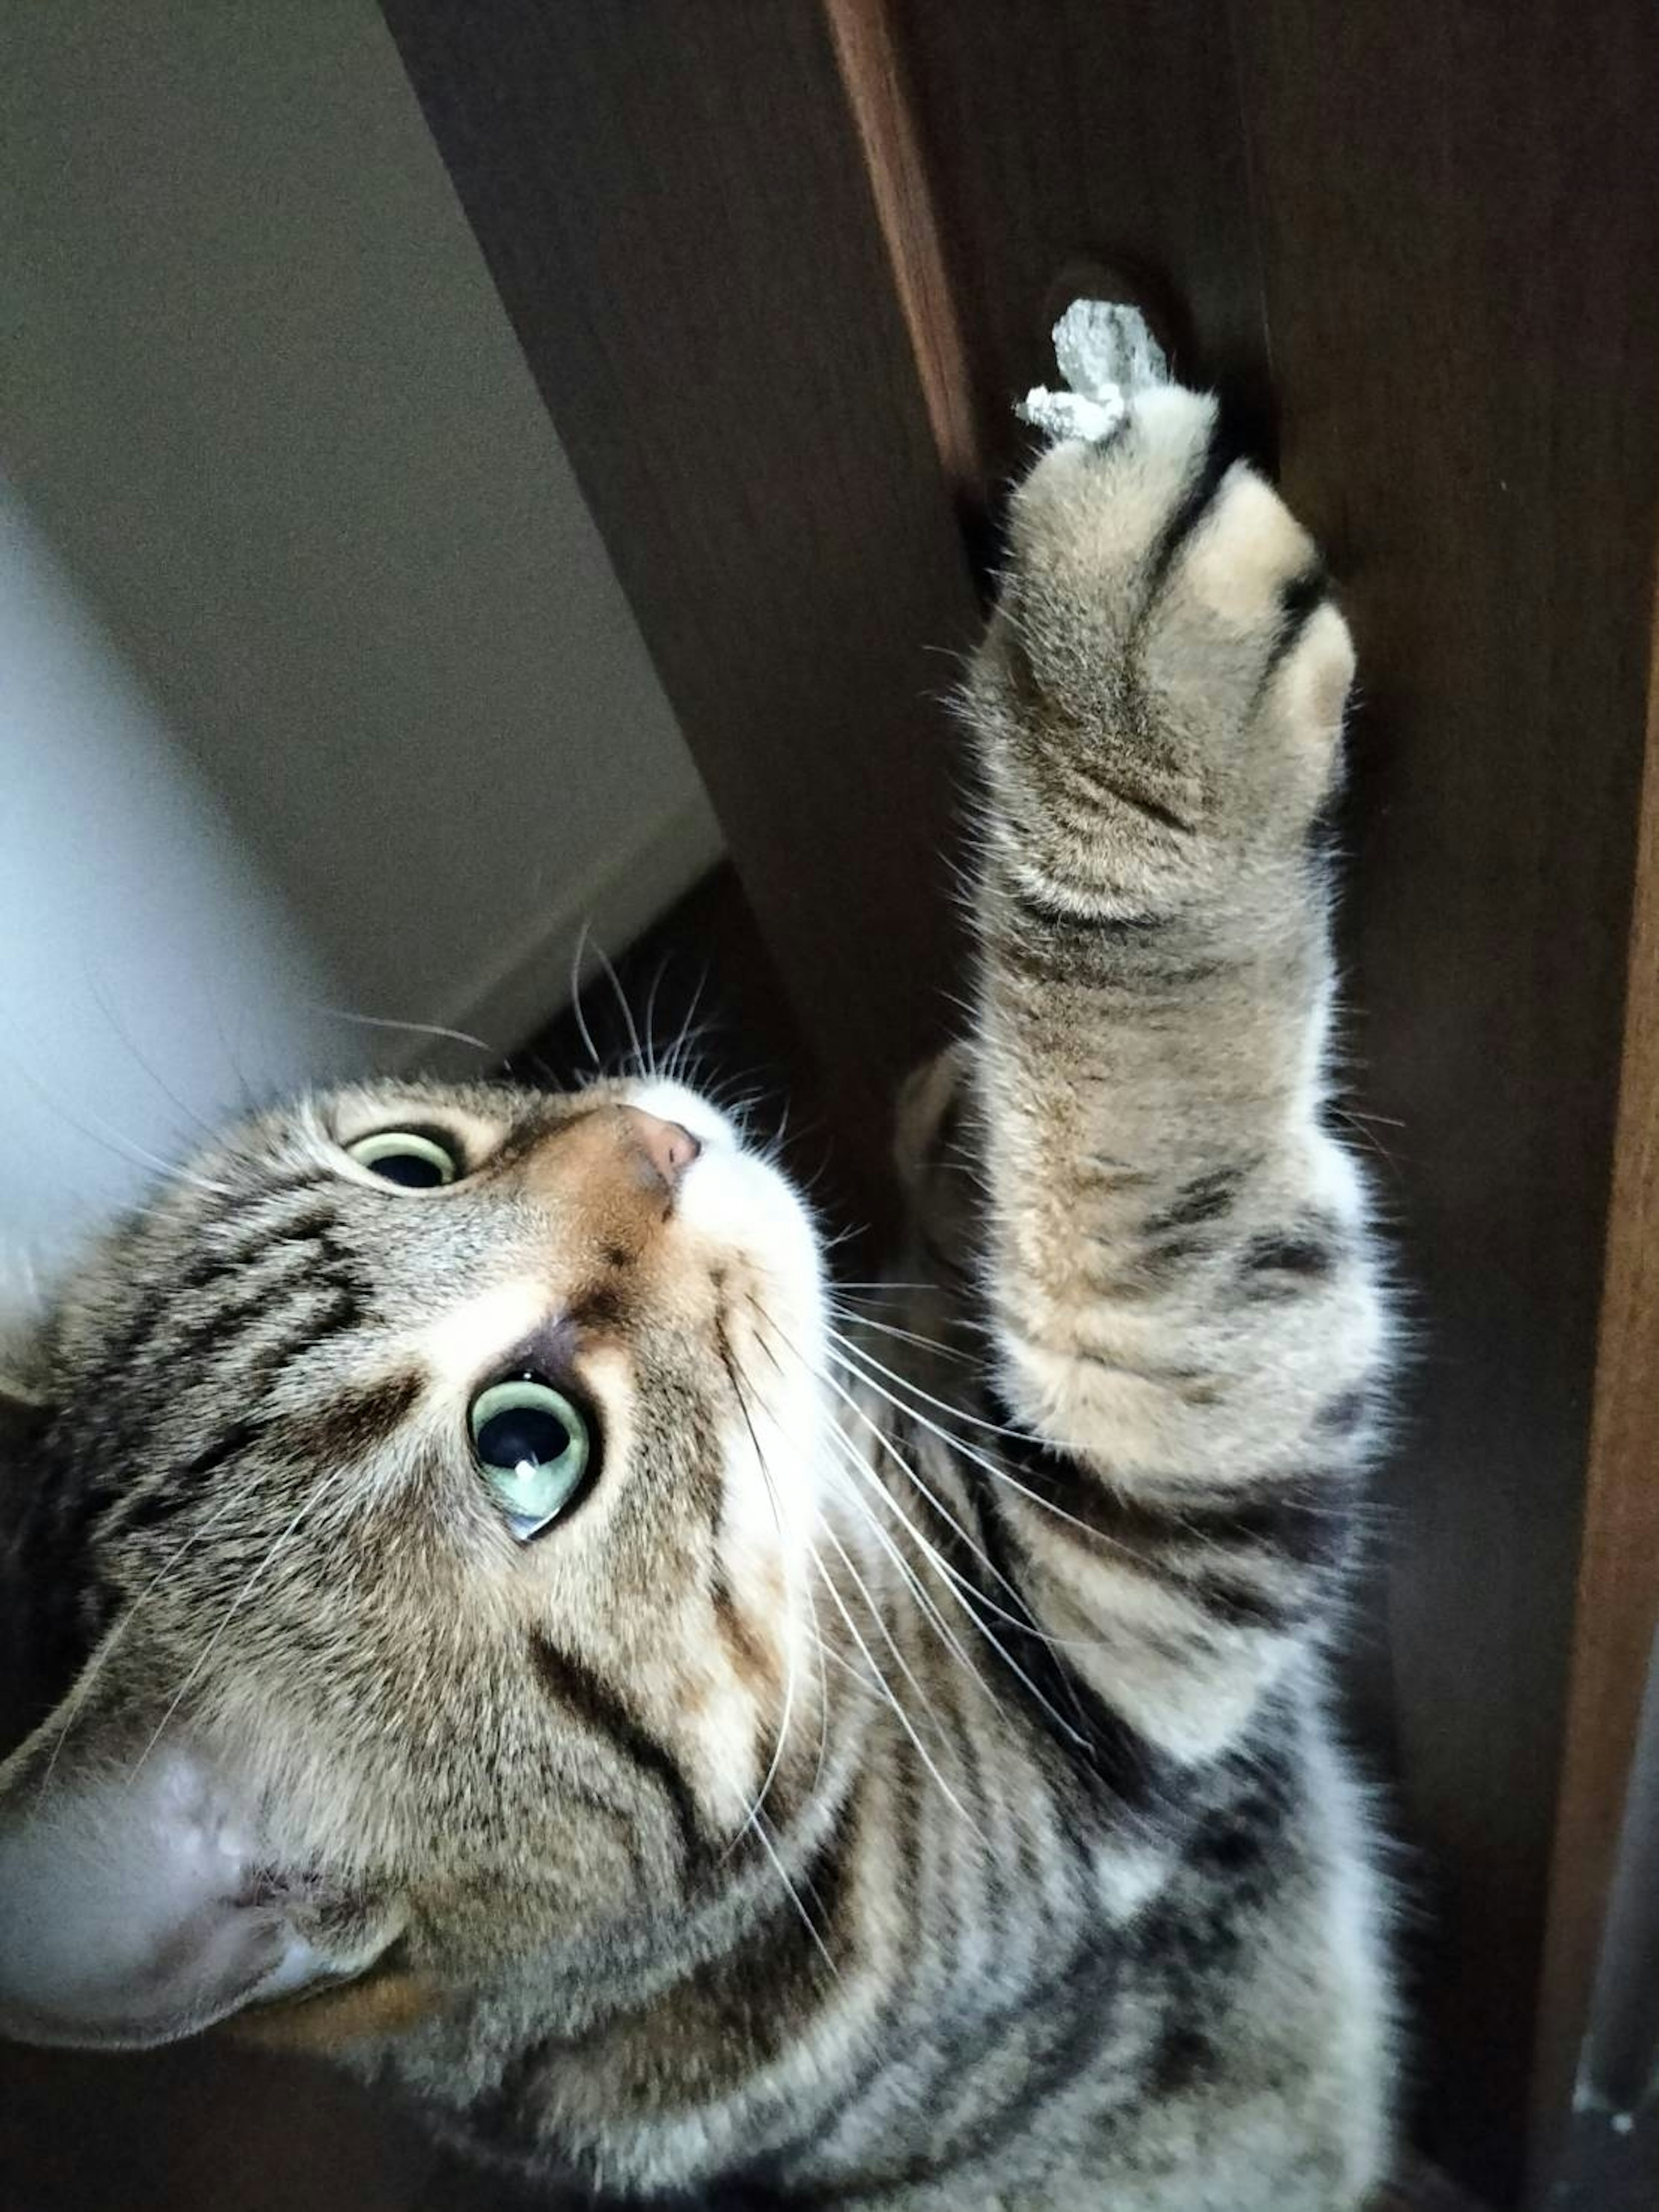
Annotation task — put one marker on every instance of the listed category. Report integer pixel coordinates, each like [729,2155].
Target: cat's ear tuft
[135,1903]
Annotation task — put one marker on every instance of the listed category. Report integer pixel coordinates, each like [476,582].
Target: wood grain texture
[674,206]
[1421,232]
[1429,224]
[1455,214]
[882,100]
[1067,131]
[1617,1604]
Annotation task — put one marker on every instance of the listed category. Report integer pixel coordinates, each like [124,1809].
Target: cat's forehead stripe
[355,1421]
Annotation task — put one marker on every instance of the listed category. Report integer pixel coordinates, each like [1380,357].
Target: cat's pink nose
[669,1148]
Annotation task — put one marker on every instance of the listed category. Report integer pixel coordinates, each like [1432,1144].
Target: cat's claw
[1062,415]
[1105,352]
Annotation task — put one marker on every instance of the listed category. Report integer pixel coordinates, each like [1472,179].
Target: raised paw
[1161,692]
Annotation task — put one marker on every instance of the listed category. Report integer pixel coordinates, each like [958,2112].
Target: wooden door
[779,267]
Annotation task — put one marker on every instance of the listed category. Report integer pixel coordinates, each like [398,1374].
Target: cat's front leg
[1181,1290]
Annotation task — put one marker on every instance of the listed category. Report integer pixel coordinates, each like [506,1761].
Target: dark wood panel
[881,97]
[672,202]
[1065,132]
[1456,216]
[1429,224]
[1416,232]
[1618,1603]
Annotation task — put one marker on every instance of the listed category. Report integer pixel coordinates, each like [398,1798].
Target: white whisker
[608,966]
[807,1920]
[906,1335]
[280,1543]
[888,1696]
[956,1585]
[113,1141]
[957,1413]
[998,1473]
[586,1034]
[913,1581]
[390,1022]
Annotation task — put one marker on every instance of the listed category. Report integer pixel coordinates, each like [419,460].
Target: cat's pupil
[521,1433]
[412,1170]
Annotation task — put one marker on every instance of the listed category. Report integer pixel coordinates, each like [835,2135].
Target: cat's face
[432,1475]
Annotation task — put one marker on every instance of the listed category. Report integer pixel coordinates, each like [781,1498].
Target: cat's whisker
[910,1577]
[827,1651]
[971,1599]
[649,1023]
[285,1536]
[869,1520]
[972,1596]
[889,1697]
[112,1140]
[782,1737]
[733,1369]
[532,1064]
[233,1060]
[906,1335]
[795,1899]
[113,1017]
[999,1474]
[676,1064]
[849,1348]
[1365,1131]
[815,1633]
[608,966]
[957,1585]
[738,1103]
[1020,1621]
[408,1028]
[576,1008]
[755,1817]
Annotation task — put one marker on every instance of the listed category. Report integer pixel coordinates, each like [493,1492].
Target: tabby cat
[521,1649]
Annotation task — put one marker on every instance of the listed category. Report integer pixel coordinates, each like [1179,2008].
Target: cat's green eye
[532,1446]
[407,1157]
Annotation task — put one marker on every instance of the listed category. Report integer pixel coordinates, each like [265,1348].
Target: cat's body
[1009,1620]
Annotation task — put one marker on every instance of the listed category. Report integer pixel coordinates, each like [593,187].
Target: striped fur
[905,1780]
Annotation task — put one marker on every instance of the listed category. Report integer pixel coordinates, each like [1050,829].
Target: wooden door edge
[1617,1602]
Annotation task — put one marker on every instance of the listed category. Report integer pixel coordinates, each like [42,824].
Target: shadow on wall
[265,406]
[151,978]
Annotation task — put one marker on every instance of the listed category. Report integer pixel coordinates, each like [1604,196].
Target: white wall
[262,400]
[147,973]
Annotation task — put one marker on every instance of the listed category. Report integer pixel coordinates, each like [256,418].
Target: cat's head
[423,1485]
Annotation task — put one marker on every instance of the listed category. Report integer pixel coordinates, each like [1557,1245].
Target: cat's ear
[135,1903]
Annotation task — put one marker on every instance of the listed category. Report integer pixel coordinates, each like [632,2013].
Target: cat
[519,1646]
